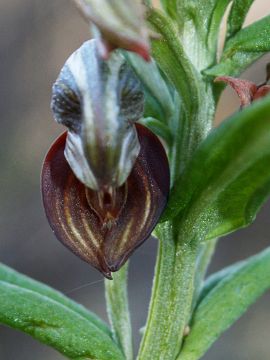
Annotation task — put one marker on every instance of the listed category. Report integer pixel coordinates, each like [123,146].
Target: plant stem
[172,295]
[182,260]
[118,310]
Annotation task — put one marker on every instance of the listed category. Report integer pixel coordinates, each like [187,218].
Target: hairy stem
[171,296]
[118,310]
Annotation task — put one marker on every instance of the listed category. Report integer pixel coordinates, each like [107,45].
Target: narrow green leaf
[225,303]
[54,324]
[13,277]
[159,128]
[199,22]
[118,310]
[214,279]
[241,50]
[205,252]
[153,83]
[170,6]
[173,61]
[249,192]
[237,16]
[228,178]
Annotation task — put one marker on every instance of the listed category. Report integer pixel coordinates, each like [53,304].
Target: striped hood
[98,101]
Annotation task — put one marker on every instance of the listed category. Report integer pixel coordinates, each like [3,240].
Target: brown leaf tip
[246,90]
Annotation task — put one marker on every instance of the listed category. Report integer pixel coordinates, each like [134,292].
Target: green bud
[118,24]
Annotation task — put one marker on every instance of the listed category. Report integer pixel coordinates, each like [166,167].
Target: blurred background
[36,37]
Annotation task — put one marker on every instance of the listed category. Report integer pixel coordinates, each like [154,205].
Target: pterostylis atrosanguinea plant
[140,155]
[105,182]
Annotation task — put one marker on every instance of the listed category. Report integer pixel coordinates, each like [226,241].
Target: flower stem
[171,296]
[118,310]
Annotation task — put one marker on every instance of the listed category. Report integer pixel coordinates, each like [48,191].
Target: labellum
[105,181]
[104,227]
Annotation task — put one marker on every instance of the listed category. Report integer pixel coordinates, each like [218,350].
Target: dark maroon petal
[102,231]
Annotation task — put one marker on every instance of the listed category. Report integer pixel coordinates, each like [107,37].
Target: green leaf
[241,50]
[173,61]
[153,83]
[249,191]
[159,128]
[54,324]
[13,277]
[198,22]
[237,16]
[214,279]
[205,253]
[170,6]
[228,178]
[225,303]
[118,310]
[205,16]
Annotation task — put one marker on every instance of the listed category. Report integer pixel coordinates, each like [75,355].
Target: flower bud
[118,24]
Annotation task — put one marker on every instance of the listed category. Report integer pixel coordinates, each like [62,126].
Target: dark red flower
[104,227]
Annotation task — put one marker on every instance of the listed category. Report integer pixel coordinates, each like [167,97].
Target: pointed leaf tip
[78,226]
[246,90]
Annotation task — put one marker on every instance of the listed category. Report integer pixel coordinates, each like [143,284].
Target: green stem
[118,310]
[172,295]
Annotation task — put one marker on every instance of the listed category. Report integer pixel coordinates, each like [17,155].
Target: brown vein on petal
[65,207]
[78,226]
[90,234]
[77,239]
[91,251]
[68,207]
